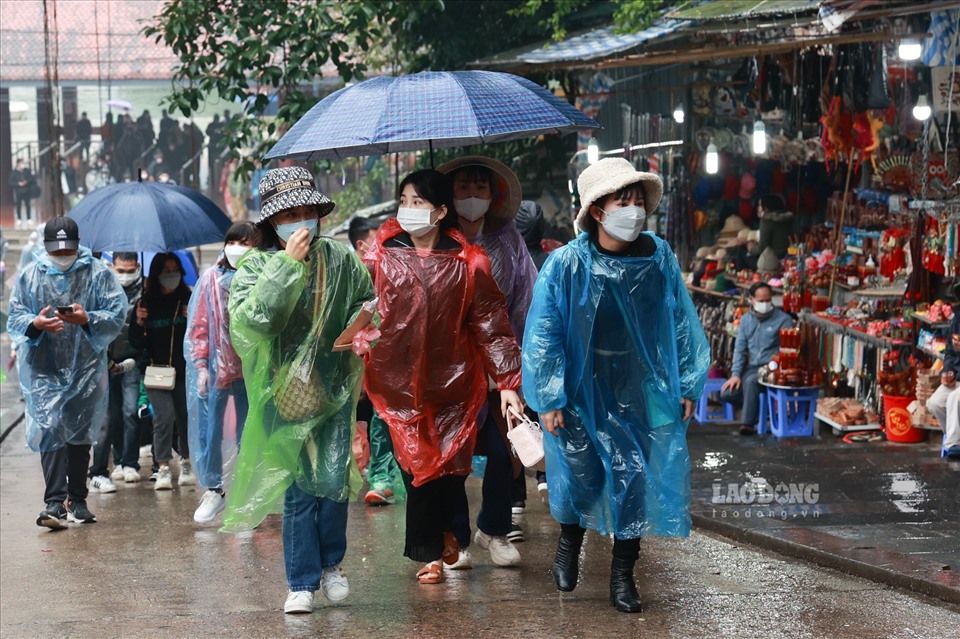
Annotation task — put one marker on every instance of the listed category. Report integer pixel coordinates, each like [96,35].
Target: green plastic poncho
[615,342]
[63,376]
[273,326]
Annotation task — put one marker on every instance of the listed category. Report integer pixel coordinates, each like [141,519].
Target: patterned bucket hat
[288,187]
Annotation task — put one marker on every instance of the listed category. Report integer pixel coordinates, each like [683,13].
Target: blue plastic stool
[791,411]
[763,424]
[704,414]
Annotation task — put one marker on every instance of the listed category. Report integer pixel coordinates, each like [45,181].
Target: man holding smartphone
[65,310]
[945,402]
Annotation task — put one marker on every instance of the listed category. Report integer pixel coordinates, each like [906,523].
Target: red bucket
[898,421]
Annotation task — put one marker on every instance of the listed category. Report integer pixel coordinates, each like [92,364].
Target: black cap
[61,233]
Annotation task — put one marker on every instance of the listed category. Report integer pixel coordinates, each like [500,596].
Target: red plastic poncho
[444,328]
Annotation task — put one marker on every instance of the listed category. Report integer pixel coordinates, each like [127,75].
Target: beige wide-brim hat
[609,175]
[507,191]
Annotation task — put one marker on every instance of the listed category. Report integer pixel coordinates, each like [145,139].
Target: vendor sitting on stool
[758,339]
[945,402]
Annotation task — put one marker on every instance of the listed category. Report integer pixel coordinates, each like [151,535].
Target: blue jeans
[314,537]
[208,455]
[122,432]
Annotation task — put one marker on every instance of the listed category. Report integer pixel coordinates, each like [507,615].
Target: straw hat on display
[768,262]
[730,231]
[609,175]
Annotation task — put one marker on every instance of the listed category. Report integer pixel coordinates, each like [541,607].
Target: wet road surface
[147,570]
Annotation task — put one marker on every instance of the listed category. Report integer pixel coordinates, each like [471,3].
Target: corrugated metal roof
[730,9]
[591,45]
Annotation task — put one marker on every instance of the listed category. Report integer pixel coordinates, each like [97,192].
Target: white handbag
[526,438]
[163,377]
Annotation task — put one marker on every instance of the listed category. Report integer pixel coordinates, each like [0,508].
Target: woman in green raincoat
[290,300]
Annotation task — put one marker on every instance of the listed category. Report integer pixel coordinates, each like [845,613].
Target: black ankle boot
[565,564]
[623,591]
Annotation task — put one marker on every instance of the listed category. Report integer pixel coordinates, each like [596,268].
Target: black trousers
[430,509]
[65,473]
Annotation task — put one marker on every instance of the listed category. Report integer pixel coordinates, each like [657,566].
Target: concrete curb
[866,570]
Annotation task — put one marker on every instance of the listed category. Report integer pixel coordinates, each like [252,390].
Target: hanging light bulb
[759,138]
[678,114]
[593,151]
[922,109]
[712,162]
[910,49]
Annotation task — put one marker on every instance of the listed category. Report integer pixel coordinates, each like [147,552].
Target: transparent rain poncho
[63,376]
[273,329]
[616,343]
[513,269]
[215,416]
[444,329]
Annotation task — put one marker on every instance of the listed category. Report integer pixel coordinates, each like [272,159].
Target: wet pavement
[147,570]
[886,511]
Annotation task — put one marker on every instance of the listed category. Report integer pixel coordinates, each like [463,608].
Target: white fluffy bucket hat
[609,175]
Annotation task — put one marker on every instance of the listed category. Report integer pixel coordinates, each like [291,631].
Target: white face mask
[234,252]
[170,281]
[416,222]
[128,279]
[625,224]
[472,208]
[763,308]
[62,263]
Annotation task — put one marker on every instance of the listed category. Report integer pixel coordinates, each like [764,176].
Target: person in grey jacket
[757,341]
[122,428]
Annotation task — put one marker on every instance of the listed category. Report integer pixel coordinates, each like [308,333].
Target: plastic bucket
[899,422]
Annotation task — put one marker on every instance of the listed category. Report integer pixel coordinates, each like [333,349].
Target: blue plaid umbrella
[425,110]
[148,216]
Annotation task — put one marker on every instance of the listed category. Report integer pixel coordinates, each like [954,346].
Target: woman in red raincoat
[444,329]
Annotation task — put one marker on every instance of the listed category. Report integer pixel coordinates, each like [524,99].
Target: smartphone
[64,310]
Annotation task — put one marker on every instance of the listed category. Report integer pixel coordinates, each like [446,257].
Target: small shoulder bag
[163,377]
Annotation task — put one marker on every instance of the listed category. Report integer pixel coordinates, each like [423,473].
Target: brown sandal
[432,573]
[451,549]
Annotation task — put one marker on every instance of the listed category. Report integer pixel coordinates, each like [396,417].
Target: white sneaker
[117,474]
[187,478]
[211,504]
[463,562]
[333,584]
[502,552]
[103,484]
[145,451]
[164,479]
[131,475]
[298,602]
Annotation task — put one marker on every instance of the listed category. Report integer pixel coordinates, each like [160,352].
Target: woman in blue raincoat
[63,361]
[214,370]
[614,359]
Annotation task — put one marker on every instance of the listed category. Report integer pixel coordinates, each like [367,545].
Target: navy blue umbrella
[148,216]
[427,110]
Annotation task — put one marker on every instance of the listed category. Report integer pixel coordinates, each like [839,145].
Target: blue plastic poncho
[216,394]
[616,343]
[513,269]
[284,318]
[63,376]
